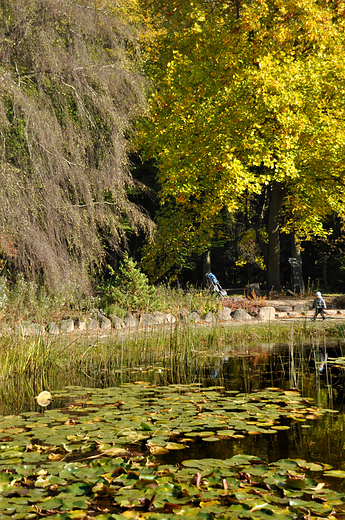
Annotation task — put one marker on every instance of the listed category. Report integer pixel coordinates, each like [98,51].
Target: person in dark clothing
[319,305]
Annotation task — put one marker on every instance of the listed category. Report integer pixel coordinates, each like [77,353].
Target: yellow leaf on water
[158,450]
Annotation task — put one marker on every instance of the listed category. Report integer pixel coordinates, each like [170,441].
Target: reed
[180,353]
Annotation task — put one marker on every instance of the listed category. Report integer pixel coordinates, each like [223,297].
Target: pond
[198,435]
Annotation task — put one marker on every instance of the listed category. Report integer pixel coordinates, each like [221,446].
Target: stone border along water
[278,311]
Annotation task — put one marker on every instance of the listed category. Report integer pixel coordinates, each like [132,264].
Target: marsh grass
[33,355]
[182,353]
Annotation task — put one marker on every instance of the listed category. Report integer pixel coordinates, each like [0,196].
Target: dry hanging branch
[69,92]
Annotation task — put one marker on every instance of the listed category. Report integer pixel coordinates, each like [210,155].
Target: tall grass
[180,353]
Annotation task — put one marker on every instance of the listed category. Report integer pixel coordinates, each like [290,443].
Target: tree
[246,105]
[71,87]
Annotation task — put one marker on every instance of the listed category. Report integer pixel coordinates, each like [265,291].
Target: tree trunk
[273,265]
[296,253]
[206,266]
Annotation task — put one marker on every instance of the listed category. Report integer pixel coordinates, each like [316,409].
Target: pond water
[245,370]
[277,403]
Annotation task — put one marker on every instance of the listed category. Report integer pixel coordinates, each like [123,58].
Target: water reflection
[242,369]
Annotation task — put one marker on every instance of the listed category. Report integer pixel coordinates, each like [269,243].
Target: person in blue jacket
[319,305]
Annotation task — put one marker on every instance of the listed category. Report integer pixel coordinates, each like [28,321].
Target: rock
[131,321]
[6,330]
[53,328]
[80,325]
[267,314]
[193,316]
[20,329]
[209,317]
[241,315]
[35,329]
[283,308]
[104,322]
[182,315]
[331,312]
[92,324]
[169,318]
[281,315]
[299,307]
[294,314]
[118,323]
[29,329]
[159,318]
[67,325]
[224,314]
[146,319]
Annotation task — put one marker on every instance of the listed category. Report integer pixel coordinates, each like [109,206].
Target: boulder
[193,316]
[267,314]
[146,319]
[169,318]
[283,308]
[131,321]
[53,328]
[281,315]
[209,317]
[159,318]
[92,324]
[21,329]
[182,315]
[299,307]
[67,325]
[241,315]
[5,330]
[30,329]
[224,314]
[104,322]
[80,325]
[118,323]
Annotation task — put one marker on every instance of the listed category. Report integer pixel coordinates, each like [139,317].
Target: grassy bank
[100,356]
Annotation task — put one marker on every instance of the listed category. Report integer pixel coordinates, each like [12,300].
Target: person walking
[319,305]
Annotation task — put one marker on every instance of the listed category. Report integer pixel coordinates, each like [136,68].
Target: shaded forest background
[183,134]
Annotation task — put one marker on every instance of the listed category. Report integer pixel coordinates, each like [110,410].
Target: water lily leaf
[5,478]
[78,514]
[51,503]
[311,466]
[335,473]
[323,510]
[158,450]
[146,426]
[286,464]
[239,460]
[78,488]
[175,446]
[266,514]
[74,502]
[296,481]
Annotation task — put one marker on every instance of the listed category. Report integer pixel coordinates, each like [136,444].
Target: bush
[127,288]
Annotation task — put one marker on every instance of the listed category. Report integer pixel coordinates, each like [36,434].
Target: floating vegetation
[101,454]
[115,487]
[338,361]
[135,412]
